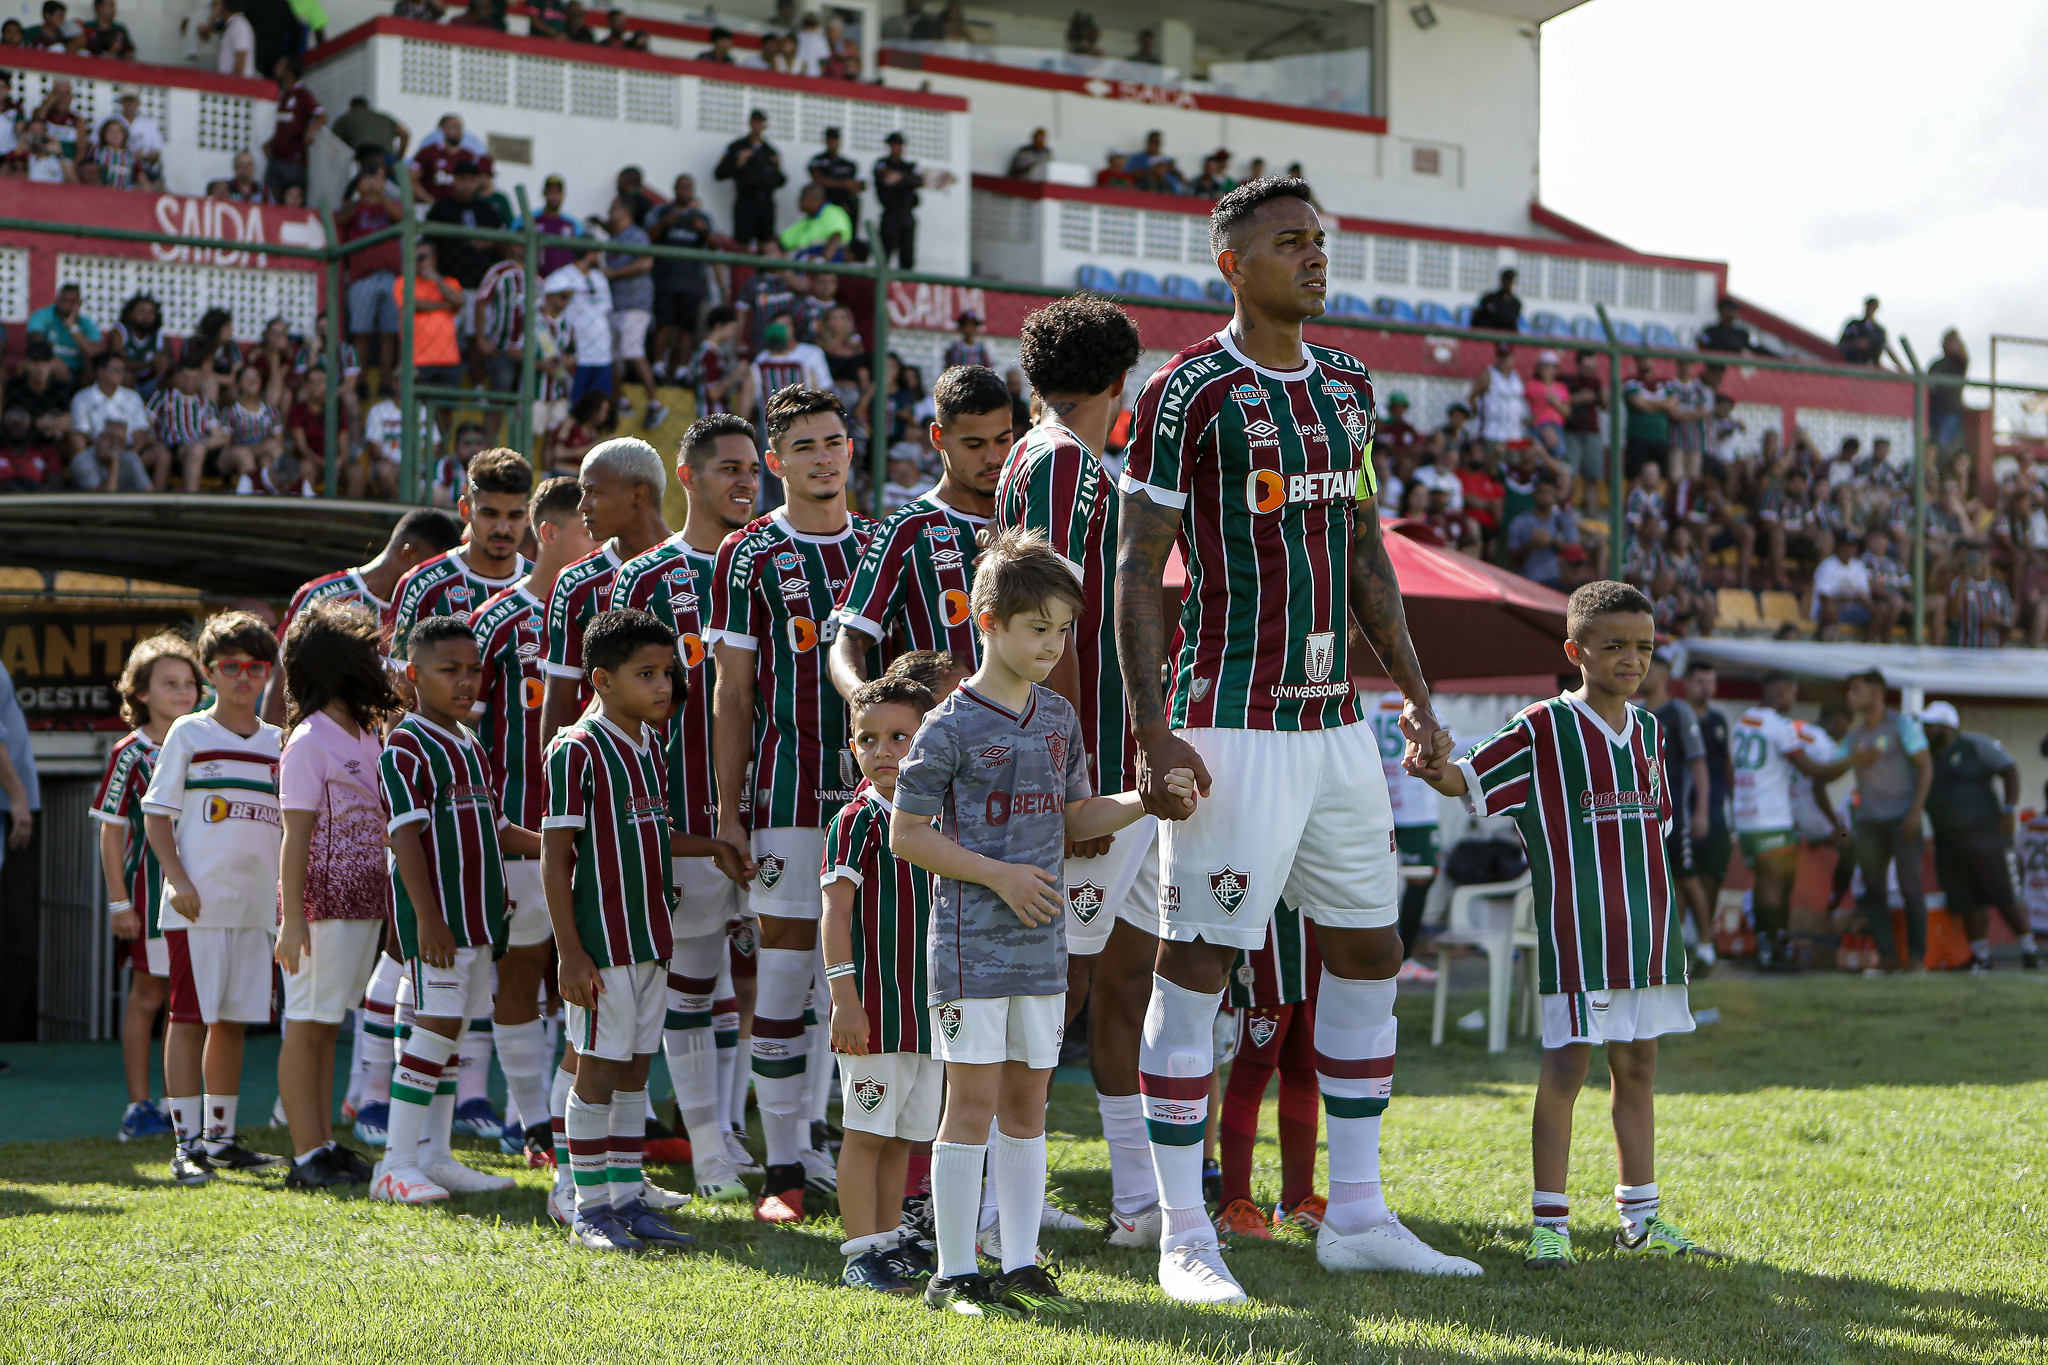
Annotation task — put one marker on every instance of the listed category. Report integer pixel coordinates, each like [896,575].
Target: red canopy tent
[1468,619]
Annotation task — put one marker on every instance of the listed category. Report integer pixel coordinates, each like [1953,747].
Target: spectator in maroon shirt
[620,36]
[107,36]
[299,119]
[433,165]
[1394,434]
[372,312]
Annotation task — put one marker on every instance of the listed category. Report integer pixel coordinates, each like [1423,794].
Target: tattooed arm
[1145,538]
[1376,602]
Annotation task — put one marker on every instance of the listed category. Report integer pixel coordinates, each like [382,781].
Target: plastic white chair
[1479,920]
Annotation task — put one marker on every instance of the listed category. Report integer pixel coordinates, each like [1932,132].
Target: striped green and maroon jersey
[1054,483]
[892,912]
[581,591]
[1272,469]
[1593,806]
[440,778]
[910,589]
[442,586]
[1285,971]
[510,694]
[346,585]
[672,583]
[773,594]
[609,789]
[119,803]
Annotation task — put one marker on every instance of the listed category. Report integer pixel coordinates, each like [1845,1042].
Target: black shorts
[678,308]
[1636,454]
[1678,855]
[1974,871]
[1710,855]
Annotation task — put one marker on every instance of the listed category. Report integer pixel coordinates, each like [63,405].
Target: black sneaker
[189,1166]
[970,1295]
[320,1171]
[912,1262]
[359,1167]
[1034,1290]
[233,1156]
[874,1270]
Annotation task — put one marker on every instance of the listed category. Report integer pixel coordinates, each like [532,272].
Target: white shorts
[1297,814]
[1623,1016]
[892,1094]
[787,884]
[706,899]
[220,975]
[1122,884]
[462,991]
[548,413]
[629,333]
[1009,1028]
[628,1018]
[334,971]
[526,904]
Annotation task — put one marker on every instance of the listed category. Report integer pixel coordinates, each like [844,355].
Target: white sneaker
[1139,1231]
[562,1205]
[718,1181]
[1414,971]
[988,1241]
[1193,1272]
[1386,1246]
[1057,1218]
[457,1178]
[277,1118]
[820,1173]
[743,1162]
[404,1186]
[659,1198]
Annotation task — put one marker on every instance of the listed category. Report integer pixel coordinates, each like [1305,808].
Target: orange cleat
[669,1151]
[787,1207]
[1307,1215]
[1241,1218]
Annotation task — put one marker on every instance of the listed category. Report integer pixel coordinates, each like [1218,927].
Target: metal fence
[75,987]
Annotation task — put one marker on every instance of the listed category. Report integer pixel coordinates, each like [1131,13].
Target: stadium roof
[222,545]
[1536,11]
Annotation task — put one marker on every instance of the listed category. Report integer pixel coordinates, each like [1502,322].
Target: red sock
[1300,1106]
[917,1181]
[1242,1096]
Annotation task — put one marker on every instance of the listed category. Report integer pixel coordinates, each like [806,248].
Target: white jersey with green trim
[1759,745]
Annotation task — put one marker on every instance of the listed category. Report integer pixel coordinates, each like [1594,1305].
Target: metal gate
[75,998]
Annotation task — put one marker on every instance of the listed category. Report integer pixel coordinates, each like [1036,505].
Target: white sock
[1980,948]
[473,1071]
[1355,1039]
[781,1050]
[687,1040]
[559,1090]
[219,1120]
[956,1189]
[522,1054]
[1637,1205]
[2026,943]
[437,1142]
[185,1112]
[1016,1168]
[986,1217]
[819,1067]
[628,1138]
[353,1099]
[414,1087]
[1134,1187]
[1176,1059]
[380,1030]
[725,1038]
[589,1128]
[1550,1209]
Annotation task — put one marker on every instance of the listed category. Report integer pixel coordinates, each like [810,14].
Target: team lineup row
[674,731]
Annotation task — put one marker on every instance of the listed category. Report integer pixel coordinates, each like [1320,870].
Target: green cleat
[1661,1237]
[970,1295]
[1033,1289]
[1550,1249]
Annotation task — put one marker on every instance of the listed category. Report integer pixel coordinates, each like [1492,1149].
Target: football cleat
[1034,1289]
[1550,1249]
[912,1261]
[718,1182]
[1308,1213]
[821,1173]
[540,1146]
[1139,1231]
[404,1187]
[1054,1217]
[742,1159]
[456,1178]
[189,1165]
[476,1118]
[355,1161]
[1416,972]
[969,1295]
[142,1120]
[659,1199]
[371,1121]
[231,1155]
[601,1230]
[1243,1218]
[562,1204]
[874,1269]
[325,1169]
[782,1195]
[653,1229]
[1193,1272]
[661,1144]
[1386,1246]
[1661,1237]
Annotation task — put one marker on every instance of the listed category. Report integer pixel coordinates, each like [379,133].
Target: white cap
[1546,357]
[566,280]
[1941,713]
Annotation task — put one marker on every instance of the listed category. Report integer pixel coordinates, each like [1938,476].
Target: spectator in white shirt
[107,403]
[1497,396]
[237,38]
[1841,593]
[376,474]
[1441,476]
[788,361]
[589,317]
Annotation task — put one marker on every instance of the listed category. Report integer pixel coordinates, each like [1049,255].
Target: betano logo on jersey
[220,808]
[953,603]
[690,649]
[803,634]
[1269,490]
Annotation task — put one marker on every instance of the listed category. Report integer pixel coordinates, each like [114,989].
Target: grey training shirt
[999,783]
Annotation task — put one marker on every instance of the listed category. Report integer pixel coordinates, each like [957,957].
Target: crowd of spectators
[1150,168]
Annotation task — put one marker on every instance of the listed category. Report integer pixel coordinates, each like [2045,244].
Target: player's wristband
[835,970]
[119,907]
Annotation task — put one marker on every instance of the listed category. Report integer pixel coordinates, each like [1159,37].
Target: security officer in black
[839,178]
[755,169]
[897,182]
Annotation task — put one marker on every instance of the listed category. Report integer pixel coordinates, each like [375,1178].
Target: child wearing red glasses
[216,778]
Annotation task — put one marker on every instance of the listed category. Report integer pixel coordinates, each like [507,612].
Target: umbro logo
[1261,428]
[995,755]
[946,559]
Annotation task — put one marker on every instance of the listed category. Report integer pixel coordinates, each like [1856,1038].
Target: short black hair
[236,632]
[891,689]
[1693,666]
[786,405]
[614,636]
[1234,211]
[705,431]
[1077,345]
[1603,597]
[968,391]
[433,630]
[1869,675]
[926,667]
[554,499]
[721,315]
[429,528]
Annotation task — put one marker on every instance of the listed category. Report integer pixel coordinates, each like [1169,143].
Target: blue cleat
[475,1118]
[652,1229]
[371,1121]
[142,1120]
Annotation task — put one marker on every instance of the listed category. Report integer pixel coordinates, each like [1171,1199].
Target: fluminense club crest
[1085,900]
[869,1093]
[1056,749]
[949,1020]
[1262,1029]
[1229,886]
[771,869]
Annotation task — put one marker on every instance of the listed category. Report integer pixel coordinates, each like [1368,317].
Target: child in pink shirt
[335,891]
